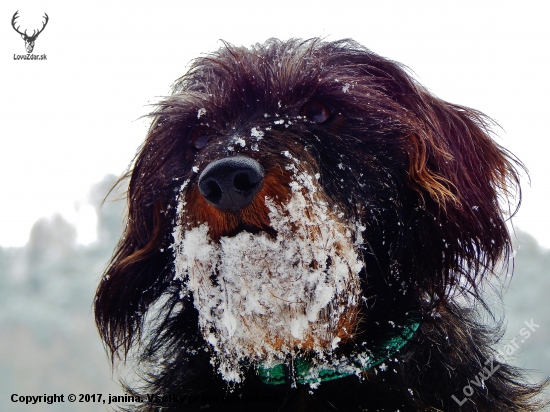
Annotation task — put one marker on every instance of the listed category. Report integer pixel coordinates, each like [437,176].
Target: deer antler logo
[29,40]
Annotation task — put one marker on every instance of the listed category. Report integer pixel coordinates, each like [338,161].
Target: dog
[309,229]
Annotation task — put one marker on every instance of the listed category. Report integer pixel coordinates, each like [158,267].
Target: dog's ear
[141,267]
[465,183]
[460,182]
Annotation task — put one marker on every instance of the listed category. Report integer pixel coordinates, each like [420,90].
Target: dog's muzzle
[231,183]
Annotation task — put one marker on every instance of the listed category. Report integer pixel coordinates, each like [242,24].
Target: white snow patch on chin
[260,299]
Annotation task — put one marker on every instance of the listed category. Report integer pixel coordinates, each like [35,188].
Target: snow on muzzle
[260,298]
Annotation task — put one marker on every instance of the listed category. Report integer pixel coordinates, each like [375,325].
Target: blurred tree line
[48,340]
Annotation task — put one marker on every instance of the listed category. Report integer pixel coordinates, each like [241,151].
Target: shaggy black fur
[423,175]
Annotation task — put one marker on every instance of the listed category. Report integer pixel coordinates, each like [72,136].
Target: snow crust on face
[261,299]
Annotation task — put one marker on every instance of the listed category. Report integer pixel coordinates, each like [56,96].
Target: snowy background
[73,119]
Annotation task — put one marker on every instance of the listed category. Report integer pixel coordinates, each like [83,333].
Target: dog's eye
[316,112]
[200,136]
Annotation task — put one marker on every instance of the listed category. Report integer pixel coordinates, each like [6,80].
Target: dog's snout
[231,183]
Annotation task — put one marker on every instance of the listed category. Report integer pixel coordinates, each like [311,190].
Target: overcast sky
[69,120]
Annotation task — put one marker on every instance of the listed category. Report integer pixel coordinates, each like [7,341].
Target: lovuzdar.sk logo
[29,39]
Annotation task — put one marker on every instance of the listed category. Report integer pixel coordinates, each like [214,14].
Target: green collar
[308,372]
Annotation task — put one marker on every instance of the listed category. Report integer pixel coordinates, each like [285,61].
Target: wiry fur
[423,176]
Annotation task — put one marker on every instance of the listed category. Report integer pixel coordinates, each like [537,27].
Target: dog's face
[269,235]
[296,192]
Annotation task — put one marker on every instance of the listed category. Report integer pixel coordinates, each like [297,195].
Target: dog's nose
[231,183]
